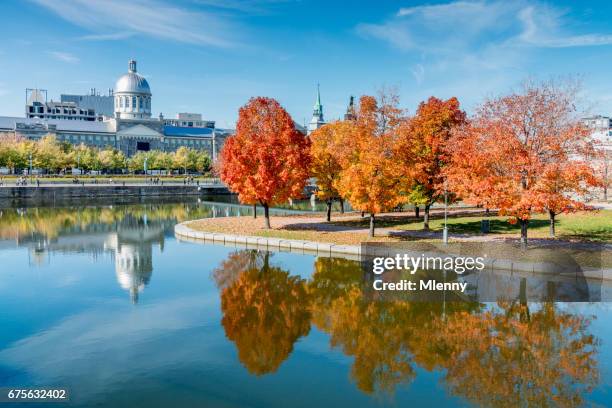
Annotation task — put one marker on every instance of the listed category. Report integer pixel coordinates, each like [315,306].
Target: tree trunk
[371,235]
[254,210]
[417,210]
[329,206]
[267,216]
[524,224]
[426,218]
[362,214]
[552,223]
[341,205]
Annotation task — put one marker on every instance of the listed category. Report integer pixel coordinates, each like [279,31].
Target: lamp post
[30,157]
[146,159]
[445,230]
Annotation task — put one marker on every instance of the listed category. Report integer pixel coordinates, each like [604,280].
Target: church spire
[350,110]
[317,113]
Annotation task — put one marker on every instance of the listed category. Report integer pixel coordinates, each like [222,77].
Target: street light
[445,230]
[30,157]
[145,165]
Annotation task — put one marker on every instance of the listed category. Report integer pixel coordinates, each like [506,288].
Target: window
[139,103]
[133,102]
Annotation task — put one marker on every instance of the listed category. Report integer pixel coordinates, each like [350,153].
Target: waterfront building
[130,129]
[317,119]
[190,120]
[102,105]
[37,107]
[601,127]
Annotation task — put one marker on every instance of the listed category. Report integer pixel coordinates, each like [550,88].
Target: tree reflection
[509,354]
[265,311]
[373,333]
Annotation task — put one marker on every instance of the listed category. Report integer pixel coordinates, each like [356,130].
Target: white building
[131,129]
[602,136]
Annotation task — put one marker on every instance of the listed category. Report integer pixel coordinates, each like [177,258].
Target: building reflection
[128,237]
[128,233]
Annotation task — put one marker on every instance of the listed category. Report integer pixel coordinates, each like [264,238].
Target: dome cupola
[132,95]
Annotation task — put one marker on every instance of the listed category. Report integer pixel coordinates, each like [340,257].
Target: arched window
[140,102]
[133,103]
[149,103]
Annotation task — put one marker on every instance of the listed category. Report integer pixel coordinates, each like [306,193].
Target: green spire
[318,108]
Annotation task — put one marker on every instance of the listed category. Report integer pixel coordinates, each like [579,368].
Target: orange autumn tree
[267,160]
[524,153]
[421,148]
[369,179]
[325,151]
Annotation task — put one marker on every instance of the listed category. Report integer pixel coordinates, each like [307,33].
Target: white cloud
[153,18]
[465,25]
[542,27]
[64,56]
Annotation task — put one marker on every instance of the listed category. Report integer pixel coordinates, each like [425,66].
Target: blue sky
[210,56]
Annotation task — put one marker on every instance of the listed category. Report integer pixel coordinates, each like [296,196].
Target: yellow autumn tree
[326,150]
[370,179]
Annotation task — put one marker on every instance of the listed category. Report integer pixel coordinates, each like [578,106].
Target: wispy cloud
[152,18]
[462,25]
[107,37]
[64,56]
[418,72]
[245,6]
[542,27]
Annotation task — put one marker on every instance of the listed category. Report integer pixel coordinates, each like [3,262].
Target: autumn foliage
[267,161]
[524,153]
[369,179]
[265,311]
[421,149]
[326,150]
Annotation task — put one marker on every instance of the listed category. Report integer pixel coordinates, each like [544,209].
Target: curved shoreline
[182,230]
[323,248]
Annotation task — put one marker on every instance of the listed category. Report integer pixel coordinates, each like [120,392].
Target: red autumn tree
[524,153]
[267,160]
[369,179]
[421,149]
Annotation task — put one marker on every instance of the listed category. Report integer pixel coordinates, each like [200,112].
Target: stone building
[131,128]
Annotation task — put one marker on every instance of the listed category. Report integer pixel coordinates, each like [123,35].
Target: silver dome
[132,82]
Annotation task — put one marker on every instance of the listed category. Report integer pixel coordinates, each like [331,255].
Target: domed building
[130,128]
[132,95]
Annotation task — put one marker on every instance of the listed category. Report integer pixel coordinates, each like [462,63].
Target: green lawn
[584,226]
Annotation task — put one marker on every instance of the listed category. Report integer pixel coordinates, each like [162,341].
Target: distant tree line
[54,157]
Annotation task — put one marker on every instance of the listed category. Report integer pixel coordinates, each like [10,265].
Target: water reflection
[270,308]
[128,233]
[265,310]
[507,354]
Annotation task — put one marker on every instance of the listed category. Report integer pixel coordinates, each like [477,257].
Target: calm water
[105,301]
